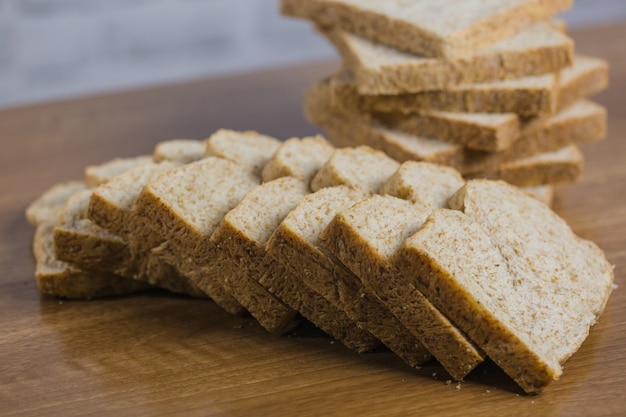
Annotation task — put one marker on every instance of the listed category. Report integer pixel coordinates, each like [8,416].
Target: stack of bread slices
[372,251]
[491,88]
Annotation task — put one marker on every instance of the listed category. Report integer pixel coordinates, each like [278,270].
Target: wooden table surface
[155,354]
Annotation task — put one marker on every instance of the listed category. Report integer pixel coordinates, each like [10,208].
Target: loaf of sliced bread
[378,69]
[299,158]
[531,266]
[295,245]
[428,27]
[526,96]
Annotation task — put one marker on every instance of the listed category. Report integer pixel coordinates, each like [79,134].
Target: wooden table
[155,354]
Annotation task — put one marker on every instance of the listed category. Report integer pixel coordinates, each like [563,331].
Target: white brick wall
[57,48]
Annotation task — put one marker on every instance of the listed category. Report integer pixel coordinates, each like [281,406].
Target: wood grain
[156,354]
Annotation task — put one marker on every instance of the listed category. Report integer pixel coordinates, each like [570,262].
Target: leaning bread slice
[79,240]
[182,151]
[378,69]
[47,207]
[525,96]
[361,167]
[249,149]
[96,175]
[65,280]
[299,158]
[540,287]
[363,238]
[295,245]
[244,232]
[428,27]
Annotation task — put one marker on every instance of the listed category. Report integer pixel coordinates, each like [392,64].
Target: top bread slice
[182,151]
[531,265]
[526,96]
[378,69]
[295,245]
[428,27]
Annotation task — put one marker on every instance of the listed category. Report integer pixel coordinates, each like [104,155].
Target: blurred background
[55,49]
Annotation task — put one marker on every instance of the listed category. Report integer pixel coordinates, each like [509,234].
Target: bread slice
[378,69]
[428,27]
[46,207]
[561,166]
[182,151]
[295,245]
[526,96]
[244,232]
[361,167]
[364,238]
[80,241]
[542,286]
[96,175]
[249,149]
[299,158]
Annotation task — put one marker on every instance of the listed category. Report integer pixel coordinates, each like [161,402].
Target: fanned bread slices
[378,69]
[295,245]
[428,27]
[364,238]
[62,279]
[245,230]
[530,267]
[526,96]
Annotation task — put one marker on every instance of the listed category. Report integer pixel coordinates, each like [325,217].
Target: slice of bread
[363,238]
[46,207]
[429,27]
[80,241]
[526,96]
[96,175]
[361,167]
[299,158]
[249,149]
[295,245]
[521,312]
[378,69]
[564,165]
[182,151]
